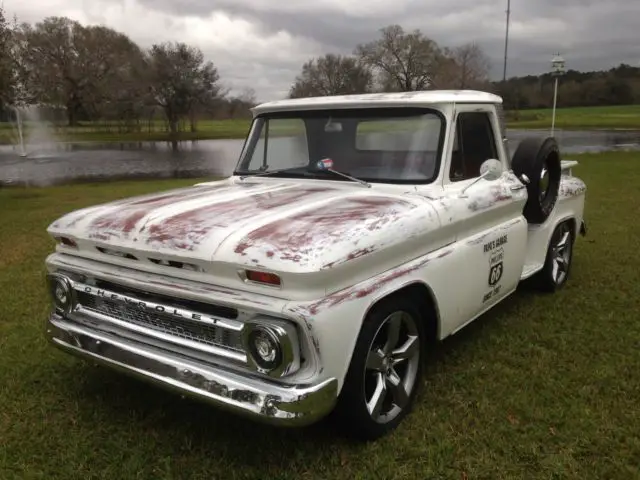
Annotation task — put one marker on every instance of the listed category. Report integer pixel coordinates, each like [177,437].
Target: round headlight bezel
[62,293]
[267,336]
[282,336]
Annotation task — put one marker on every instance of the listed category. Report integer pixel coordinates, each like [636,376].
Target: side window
[474,143]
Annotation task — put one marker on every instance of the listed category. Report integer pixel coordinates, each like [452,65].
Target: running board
[529,270]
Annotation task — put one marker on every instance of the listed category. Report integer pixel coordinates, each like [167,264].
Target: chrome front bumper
[273,403]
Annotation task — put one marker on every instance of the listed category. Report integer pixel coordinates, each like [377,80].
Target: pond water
[73,162]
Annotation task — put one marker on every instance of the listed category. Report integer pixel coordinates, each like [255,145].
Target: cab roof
[372,100]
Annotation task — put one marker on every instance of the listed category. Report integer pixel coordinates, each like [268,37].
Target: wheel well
[574,226]
[424,298]
[572,223]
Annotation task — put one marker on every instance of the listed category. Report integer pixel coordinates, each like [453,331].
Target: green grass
[610,117]
[543,386]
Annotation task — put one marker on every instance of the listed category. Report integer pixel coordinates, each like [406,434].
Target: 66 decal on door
[496,267]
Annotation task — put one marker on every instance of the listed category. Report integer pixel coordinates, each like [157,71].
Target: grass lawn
[544,386]
[611,117]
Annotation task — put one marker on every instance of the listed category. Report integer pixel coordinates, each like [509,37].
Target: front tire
[385,371]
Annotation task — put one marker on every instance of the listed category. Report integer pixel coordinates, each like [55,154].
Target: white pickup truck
[353,232]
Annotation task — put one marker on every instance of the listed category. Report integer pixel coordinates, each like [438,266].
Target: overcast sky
[263,43]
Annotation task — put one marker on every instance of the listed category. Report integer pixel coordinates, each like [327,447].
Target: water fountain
[34,135]
[23,150]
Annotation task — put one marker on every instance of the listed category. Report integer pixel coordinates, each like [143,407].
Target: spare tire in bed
[539,160]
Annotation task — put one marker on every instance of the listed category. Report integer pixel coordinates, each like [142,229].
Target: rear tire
[539,160]
[557,265]
[385,371]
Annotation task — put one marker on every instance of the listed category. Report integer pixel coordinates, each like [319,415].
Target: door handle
[517,187]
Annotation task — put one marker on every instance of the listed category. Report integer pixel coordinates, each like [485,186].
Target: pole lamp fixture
[557,69]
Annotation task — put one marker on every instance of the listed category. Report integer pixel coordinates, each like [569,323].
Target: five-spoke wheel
[392,366]
[385,369]
[557,265]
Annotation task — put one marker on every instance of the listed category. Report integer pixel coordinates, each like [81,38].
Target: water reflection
[81,161]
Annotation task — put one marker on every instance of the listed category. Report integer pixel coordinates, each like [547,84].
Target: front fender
[334,322]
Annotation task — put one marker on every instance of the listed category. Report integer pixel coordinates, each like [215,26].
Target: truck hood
[284,227]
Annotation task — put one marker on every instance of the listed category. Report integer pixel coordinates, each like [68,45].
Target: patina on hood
[282,226]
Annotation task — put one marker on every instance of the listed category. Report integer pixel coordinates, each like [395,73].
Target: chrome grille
[162,322]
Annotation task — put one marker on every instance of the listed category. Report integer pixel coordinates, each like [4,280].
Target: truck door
[486,215]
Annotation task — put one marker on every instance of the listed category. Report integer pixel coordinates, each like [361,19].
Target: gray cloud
[590,34]
[263,43]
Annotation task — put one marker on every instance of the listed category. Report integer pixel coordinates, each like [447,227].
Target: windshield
[394,145]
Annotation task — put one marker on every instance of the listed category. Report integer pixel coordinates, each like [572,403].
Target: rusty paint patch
[188,229]
[496,195]
[361,252]
[302,236]
[571,187]
[370,286]
[121,221]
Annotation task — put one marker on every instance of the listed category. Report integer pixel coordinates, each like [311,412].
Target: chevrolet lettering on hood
[352,230]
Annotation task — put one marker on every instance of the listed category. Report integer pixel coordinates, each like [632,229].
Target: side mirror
[491,169]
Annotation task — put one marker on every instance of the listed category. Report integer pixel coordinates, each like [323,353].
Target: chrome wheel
[561,255]
[392,366]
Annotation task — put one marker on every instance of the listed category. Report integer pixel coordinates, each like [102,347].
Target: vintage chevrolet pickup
[353,232]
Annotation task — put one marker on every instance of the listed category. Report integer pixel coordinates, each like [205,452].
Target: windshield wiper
[269,172]
[320,167]
[342,174]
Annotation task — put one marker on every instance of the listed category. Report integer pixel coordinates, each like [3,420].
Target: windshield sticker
[325,164]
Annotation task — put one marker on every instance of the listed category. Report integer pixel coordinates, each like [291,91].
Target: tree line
[94,73]
[397,61]
[617,86]
[89,73]
[405,61]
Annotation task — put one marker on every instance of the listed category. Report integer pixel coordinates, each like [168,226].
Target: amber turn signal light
[263,277]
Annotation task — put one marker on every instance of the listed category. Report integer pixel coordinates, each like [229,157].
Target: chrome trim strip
[84,315]
[283,405]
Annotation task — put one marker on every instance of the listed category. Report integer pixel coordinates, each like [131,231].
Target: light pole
[506,42]
[557,66]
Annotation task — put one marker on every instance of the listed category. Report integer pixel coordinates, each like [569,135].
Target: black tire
[533,157]
[557,265]
[363,381]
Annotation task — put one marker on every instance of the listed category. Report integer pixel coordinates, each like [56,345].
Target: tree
[180,81]
[8,72]
[113,66]
[331,75]
[80,68]
[472,66]
[402,61]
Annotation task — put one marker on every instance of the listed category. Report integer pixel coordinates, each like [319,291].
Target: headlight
[272,347]
[265,348]
[61,293]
